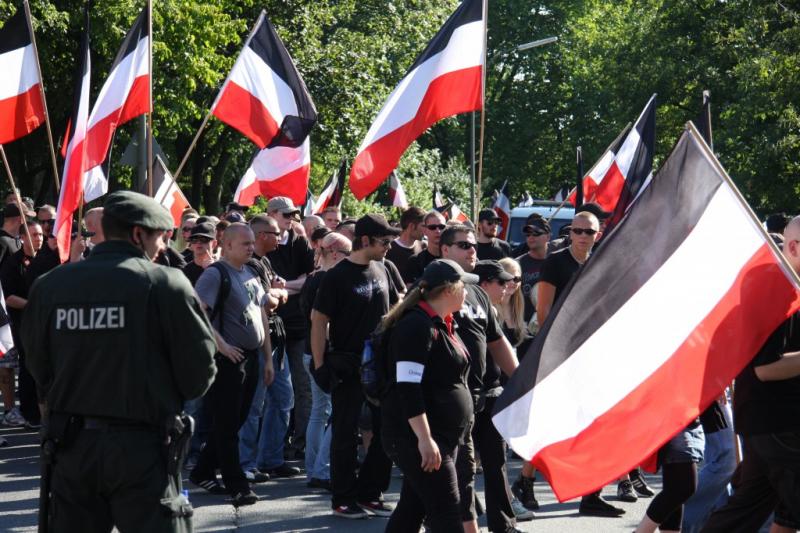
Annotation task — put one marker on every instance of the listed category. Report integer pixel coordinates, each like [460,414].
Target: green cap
[138,210]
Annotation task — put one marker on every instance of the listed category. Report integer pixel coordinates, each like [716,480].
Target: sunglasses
[384,242]
[583,231]
[516,279]
[535,233]
[293,214]
[465,245]
[276,233]
[493,222]
[434,227]
[200,240]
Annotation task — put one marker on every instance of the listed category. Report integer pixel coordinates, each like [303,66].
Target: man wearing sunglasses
[537,235]
[480,331]
[489,246]
[432,227]
[202,241]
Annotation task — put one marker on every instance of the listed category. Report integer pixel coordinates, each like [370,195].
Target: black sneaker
[640,486]
[594,505]
[254,476]
[283,470]
[523,490]
[211,485]
[377,508]
[352,512]
[240,499]
[317,483]
[625,492]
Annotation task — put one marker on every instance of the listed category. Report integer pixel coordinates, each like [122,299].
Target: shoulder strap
[222,295]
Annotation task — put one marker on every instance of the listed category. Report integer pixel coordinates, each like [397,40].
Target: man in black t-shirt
[480,331]
[537,235]
[350,302]
[202,242]
[432,227]
[9,234]
[766,413]
[408,243]
[489,246]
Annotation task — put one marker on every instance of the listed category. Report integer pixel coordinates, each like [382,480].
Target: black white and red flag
[276,171]
[75,159]
[264,96]
[333,191]
[308,206]
[650,331]
[167,192]
[397,195]
[6,340]
[124,95]
[438,199]
[502,206]
[445,80]
[21,104]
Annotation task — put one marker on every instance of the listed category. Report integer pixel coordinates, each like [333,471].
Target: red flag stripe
[284,186]
[242,110]
[21,114]
[449,94]
[19,72]
[741,311]
[277,171]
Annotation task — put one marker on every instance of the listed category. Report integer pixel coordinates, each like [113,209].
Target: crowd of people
[295,303]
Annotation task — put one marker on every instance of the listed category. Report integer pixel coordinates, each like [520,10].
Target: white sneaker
[521,514]
[14,418]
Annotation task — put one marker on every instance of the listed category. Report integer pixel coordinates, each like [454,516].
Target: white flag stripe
[273,163]
[95,183]
[464,50]
[676,298]
[117,87]
[628,151]
[256,77]
[19,72]
[601,168]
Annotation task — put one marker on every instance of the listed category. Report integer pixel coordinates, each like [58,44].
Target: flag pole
[16,193]
[211,109]
[44,99]
[483,106]
[579,177]
[150,89]
[707,111]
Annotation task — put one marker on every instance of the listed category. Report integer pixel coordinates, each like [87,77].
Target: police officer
[117,344]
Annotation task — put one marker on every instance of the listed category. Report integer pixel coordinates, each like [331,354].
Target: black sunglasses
[384,242]
[516,279]
[434,227]
[493,221]
[204,240]
[465,245]
[276,233]
[535,233]
[583,231]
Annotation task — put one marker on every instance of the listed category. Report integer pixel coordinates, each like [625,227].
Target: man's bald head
[791,243]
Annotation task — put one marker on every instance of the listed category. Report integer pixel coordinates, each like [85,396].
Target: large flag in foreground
[71,194]
[21,107]
[277,171]
[444,81]
[124,95]
[167,192]
[264,96]
[662,317]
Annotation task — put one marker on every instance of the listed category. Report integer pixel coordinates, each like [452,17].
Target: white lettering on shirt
[409,372]
[90,318]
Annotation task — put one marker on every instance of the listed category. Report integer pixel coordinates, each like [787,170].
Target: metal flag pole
[477,194]
[16,193]
[203,124]
[150,89]
[44,99]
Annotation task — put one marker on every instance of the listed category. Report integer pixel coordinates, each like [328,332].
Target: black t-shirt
[193,272]
[355,298]
[12,278]
[8,245]
[428,369]
[169,257]
[477,325]
[188,255]
[399,254]
[307,296]
[416,264]
[558,269]
[290,261]
[761,407]
[495,249]
[394,276]
[531,272]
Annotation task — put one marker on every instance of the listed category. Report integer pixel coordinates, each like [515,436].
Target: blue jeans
[202,425]
[261,438]
[318,433]
[712,486]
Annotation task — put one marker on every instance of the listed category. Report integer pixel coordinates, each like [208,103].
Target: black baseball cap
[205,229]
[488,214]
[595,209]
[488,269]
[12,210]
[442,271]
[375,226]
[536,222]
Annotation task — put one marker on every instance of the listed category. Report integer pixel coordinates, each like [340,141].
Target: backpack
[225,287]
[374,368]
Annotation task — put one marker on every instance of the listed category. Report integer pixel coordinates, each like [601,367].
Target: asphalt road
[286,505]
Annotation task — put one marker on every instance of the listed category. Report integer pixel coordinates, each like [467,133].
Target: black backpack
[225,287]
[375,365]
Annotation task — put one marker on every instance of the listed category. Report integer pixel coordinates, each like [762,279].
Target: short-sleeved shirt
[193,271]
[12,277]
[241,311]
[428,369]
[416,264]
[399,254]
[307,295]
[531,272]
[354,297]
[8,245]
[290,260]
[495,249]
[394,276]
[477,326]
[558,269]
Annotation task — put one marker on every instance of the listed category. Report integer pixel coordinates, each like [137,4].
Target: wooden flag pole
[44,99]
[150,89]
[483,106]
[211,109]
[16,194]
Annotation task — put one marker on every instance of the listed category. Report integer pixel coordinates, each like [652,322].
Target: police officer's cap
[138,210]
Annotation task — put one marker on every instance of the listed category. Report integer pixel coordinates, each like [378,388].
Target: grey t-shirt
[242,309]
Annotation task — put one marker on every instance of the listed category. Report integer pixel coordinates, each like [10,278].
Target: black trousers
[375,473]
[768,479]
[432,494]
[113,477]
[28,396]
[492,449]
[228,402]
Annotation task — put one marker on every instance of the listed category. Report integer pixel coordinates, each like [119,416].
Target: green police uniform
[121,343]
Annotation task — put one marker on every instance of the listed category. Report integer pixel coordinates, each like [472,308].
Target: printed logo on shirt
[409,372]
[90,317]
[367,289]
[475,313]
